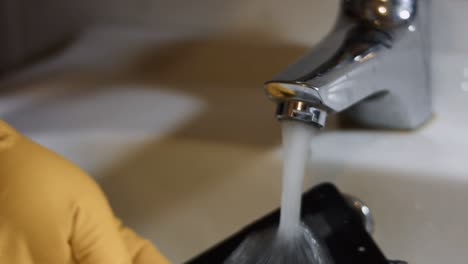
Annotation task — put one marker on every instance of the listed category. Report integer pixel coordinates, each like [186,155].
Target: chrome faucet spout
[374,66]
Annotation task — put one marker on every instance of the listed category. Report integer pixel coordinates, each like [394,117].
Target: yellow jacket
[51,212]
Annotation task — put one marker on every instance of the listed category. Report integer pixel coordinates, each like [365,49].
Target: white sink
[188,153]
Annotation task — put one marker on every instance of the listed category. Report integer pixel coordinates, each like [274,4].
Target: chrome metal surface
[364,211]
[301,111]
[374,65]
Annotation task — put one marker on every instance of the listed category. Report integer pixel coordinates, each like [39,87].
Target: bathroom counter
[181,138]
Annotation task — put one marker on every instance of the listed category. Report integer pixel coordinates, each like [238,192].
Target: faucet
[373,66]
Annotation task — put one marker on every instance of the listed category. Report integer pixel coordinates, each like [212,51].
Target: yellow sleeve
[142,251]
[52,212]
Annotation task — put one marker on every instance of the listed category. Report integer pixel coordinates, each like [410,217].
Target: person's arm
[52,212]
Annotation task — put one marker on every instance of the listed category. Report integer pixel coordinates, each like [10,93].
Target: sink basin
[161,129]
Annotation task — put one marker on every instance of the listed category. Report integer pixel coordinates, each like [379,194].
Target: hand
[51,212]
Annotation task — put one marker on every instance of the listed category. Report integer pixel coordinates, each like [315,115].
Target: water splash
[268,247]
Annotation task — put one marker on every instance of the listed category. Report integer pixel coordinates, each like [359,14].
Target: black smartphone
[325,211]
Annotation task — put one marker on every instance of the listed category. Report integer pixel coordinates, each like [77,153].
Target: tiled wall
[449,25]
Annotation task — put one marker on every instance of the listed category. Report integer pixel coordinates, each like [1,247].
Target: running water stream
[291,242]
[296,152]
